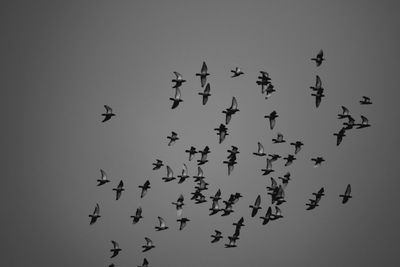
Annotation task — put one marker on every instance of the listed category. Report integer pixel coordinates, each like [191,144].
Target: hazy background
[61,62]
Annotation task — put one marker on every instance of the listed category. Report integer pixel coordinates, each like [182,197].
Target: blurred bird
[268,169]
[217,236]
[144,187]
[118,190]
[158,164]
[179,205]
[239,223]
[267,216]
[183,222]
[318,96]
[206,94]
[233,152]
[320,193]
[192,151]
[272,119]
[364,123]
[217,195]
[214,208]
[237,72]
[260,151]
[202,185]
[173,138]
[365,101]
[339,136]
[231,164]
[285,179]
[162,225]
[178,80]
[228,208]
[318,84]
[222,132]
[145,263]
[273,157]
[230,111]
[149,245]
[274,185]
[137,216]
[256,206]
[115,250]
[204,154]
[232,242]
[203,74]
[200,175]
[297,146]
[350,123]
[347,194]
[170,175]
[319,58]
[176,99]
[345,113]
[103,179]
[263,80]
[289,160]
[108,115]
[313,204]
[95,215]
[317,161]
[269,90]
[278,139]
[278,214]
[184,174]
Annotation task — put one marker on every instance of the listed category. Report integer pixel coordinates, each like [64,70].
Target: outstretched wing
[115,244]
[108,109]
[204,68]
[161,221]
[345,111]
[96,209]
[103,175]
[364,120]
[260,148]
[258,201]
[177,93]
[170,173]
[138,211]
[348,190]
[178,76]
[148,241]
[234,103]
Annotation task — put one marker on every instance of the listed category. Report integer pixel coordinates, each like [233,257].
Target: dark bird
[158,164]
[103,179]
[200,175]
[278,195]
[237,72]
[192,151]
[231,110]
[231,164]
[222,132]
[269,90]
[179,205]
[318,84]
[108,115]
[256,206]
[289,160]
[176,99]
[318,97]
[285,179]
[365,101]
[149,245]
[317,161]
[313,204]
[115,250]
[319,58]
[345,113]
[233,151]
[273,157]
[183,222]
[205,94]
[272,119]
[268,169]
[260,151]
[320,193]
[267,216]
[278,214]
[263,80]
[239,223]
[202,185]
[204,154]
[118,190]
[228,208]
[162,224]
[232,242]
[364,123]
[351,122]
[217,195]
[137,216]
[170,175]
[339,136]
[178,80]
[173,138]
[145,263]
[144,187]
[203,74]
[184,174]
[274,185]
[217,236]
[297,146]
[234,198]
[200,198]
[214,208]
[347,194]
[279,139]
[95,215]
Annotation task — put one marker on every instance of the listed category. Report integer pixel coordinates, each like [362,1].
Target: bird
[267,216]
[279,139]
[145,263]
[217,236]
[273,157]
[272,119]
[178,80]
[351,122]
[118,190]
[115,250]
[345,113]
[108,115]
[202,185]
[200,174]
[278,214]
[319,58]
[103,179]
[274,185]
[214,207]
[232,242]
[339,136]
[162,225]
[318,84]
[183,222]
[347,194]
[317,161]
[170,175]
[365,101]
[260,151]
[231,164]
[239,224]
[192,151]
[205,94]
[95,215]
[318,96]
[176,99]
[137,216]
[231,110]
[144,187]
[184,174]
[268,169]
[313,204]
[157,165]
[217,195]
[256,206]
[264,80]
[285,179]
[233,151]
[364,123]
[320,193]
[203,74]
[269,90]
[204,154]
[297,146]
[173,138]
[179,205]
[237,72]
[149,245]
[228,208]
[278,195]
[222,132]
[289,160]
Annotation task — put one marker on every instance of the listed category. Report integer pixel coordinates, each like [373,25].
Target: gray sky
[61,62]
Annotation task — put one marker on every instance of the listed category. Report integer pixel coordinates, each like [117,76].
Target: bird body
[108,115]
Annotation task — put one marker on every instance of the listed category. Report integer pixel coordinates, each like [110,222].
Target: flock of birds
[275,190]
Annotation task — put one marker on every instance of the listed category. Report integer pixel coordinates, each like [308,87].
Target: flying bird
[347,194]
[365,101]
[364,123]
[285,179]
[118,190]
[137,216]
[339,136]
[170,175]
[200,174]
[115,250]
[279,139]
[204,154]
[320,193]
[179,205]
[178,80]
[230,111]
[222,132]
[162,225]
[214,208]
[319,58]
[273,157]
[260,151]
[182,223]
[278,214]
[184,174]
[108,115]
[173,138]
[237,72]
[274,185]
[205,94]
[267,216]
[217,236]
[144,187]
[318,84]
[145,263]
[297,146]
[318,96]
[157,165]
[203,74]
[176,99]
[345,113]
[317,161]
[231,164]
[192,151]
[256,206]
[95,215]
[149,245]
[232,242]
[272,119]
[268,169]
[103,179]
[289,160]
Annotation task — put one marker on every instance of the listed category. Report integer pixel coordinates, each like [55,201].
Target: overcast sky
[61,62]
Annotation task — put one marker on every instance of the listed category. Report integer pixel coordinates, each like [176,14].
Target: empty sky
[61,62]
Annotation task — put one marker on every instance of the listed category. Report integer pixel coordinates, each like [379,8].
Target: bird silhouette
[222,132]
[273,157]
[203,74]
[269,91]
[285,179]
[289,160]
[182,223]
[268,169]
[173,138]
[231,164]
[157,165]
[274,185]
[178,80]
[277,214]
[115,250]
[319,58]
[231,110]
[217,195]
[347,194]
[267,216]
[318,96]
[317,161]
[145,263]
[179,205]
[279,139]
[176,99]
[232,242]
[204,154]
[364,123]
[206,94]
[365,101]
[297,146]
[214,207]
[103,179]
[217,236]
[339,136]
[318,84]
[192,151]
[272,119]
[237,72]
[184,174]
[138,215]
[162,225]
[260,151]
[144,187]
[95,215]
[170,175]
[149,245]
[256,206]
[108,115]
[200,174]
[345,113]
[118,190]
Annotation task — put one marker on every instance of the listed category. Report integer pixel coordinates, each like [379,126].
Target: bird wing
[260,148]
[148,241]
[364,120]
[115,244]
[318,82]
[320,54]
[177,93]
[170,173]
[234,103]
[184,170]
[279,137]
[204,68]
[178,75]
[318,99]
[272,122]
[121,184]
[207,89]
[348,190]
[103,175]
[138,211]
[108,109]
[345,111]
[273,183]
[199,172]
[181,198]
[161,221]
[269,164]
[145,263]
[96,209]
[258,201]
